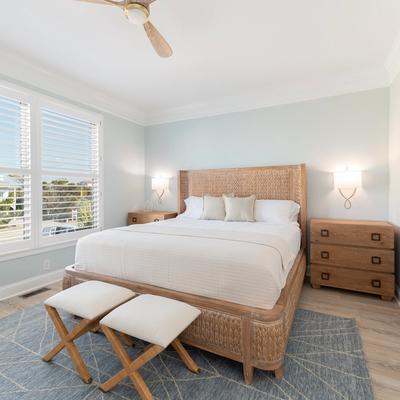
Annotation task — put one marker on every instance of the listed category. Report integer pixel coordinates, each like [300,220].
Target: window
[15,174]
[70,173]
[50,172]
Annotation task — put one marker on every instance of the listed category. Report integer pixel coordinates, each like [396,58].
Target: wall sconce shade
[348,180]
[160,185]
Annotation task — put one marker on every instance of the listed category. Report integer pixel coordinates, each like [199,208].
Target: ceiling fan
[138,12]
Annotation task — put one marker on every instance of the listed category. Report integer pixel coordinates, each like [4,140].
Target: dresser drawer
[353,234]
[353,257]
[363,281]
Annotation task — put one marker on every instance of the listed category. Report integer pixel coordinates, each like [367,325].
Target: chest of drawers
[354,255]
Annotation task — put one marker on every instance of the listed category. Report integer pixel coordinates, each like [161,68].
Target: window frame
[38,243]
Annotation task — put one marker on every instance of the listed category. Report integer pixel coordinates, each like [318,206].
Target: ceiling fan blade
[103,2]
[146,2]
[162,48]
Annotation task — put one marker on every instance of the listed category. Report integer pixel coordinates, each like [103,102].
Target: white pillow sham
[239,208]
[277,211]
[194,207]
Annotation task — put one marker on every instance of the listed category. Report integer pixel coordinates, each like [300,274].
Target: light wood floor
[379,324]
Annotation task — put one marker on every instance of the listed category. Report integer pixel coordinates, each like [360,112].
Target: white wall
[123,191]
[394,163]
[327,134]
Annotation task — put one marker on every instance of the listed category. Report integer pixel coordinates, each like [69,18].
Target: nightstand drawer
[352,257]
[353,234]
[362,281]
[144,217]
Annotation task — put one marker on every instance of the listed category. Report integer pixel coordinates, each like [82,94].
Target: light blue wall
[326,134]
[123,190]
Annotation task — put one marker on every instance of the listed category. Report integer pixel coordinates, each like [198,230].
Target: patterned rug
[324,360]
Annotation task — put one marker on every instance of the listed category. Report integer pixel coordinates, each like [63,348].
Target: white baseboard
[31,284]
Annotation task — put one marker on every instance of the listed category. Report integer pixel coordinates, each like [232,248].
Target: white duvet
[241,262]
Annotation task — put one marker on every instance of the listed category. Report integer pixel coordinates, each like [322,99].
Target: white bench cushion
[155,319]
[90,299]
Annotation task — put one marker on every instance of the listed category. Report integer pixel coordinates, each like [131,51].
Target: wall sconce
[348,181]
[160,185]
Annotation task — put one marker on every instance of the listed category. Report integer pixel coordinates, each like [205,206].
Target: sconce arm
[347,202]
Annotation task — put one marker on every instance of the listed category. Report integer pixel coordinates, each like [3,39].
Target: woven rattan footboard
[253,336]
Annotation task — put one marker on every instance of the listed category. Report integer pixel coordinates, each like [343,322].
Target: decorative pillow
[213,208]
[194,207]
[276,211]
[239,208]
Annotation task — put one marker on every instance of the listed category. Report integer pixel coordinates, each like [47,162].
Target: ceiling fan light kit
[138,12]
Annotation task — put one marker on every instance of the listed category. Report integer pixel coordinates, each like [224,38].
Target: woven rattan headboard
[288,182]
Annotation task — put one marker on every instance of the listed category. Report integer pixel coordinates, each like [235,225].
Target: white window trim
[38,244]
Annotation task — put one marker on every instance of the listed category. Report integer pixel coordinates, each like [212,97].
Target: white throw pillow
[213,208]
[239,208]
[194,207]
[277,211]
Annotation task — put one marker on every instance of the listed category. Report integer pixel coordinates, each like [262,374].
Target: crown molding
[20,69]
[393,60]
[275,96]
[23,70]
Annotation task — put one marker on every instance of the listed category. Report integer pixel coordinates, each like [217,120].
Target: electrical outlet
[46,265]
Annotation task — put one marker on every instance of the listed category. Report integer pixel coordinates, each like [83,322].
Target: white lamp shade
[159,184]
[347,179]
[137,16]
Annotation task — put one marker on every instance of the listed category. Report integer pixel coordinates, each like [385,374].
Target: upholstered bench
[89,300]
[154,319]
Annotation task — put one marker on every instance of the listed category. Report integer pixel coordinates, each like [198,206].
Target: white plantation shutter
[50,172]
[70,173]
[15,174]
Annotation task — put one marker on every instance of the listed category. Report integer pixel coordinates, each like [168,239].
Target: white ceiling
[228,54]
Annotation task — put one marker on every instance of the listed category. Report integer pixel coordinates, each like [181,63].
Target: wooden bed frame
[253,336]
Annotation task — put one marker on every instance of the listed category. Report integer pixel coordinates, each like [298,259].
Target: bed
[247,303]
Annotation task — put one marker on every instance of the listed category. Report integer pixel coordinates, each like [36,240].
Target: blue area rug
[324,360]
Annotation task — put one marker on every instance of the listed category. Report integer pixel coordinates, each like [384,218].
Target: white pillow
[278,211]
[239,208]
[194,207]
[213,208]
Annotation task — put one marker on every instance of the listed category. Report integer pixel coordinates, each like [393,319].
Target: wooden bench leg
[130,367]
[127,339]
[185,357]
[67,339]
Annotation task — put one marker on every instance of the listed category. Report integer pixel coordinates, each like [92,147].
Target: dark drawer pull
[156,220]
[325,276]
[324,232]
[376,260]
[325,254]
[376,237]
[376,283]
[134,219]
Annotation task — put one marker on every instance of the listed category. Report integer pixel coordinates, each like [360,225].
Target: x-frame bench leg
[131,367]
[67,341]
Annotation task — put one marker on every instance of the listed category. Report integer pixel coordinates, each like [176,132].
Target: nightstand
[143,217]
[354,255]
